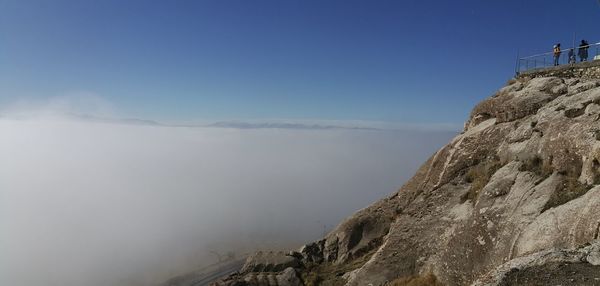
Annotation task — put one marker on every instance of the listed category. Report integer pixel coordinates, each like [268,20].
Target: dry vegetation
[538,166]
[511,81]
[426,280]
[596,167]
[478,176]
[570,189]
[328,274]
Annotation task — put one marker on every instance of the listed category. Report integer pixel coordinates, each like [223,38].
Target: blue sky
[402,61]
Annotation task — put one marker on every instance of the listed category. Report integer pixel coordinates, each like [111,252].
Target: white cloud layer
[97,204]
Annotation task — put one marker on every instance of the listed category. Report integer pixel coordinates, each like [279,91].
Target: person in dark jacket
[556,52]
[583,51]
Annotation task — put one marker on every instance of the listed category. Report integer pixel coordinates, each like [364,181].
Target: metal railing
[545,60]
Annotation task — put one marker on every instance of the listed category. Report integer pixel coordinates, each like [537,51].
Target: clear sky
[411,61]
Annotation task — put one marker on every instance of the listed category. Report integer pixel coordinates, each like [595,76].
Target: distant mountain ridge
[281,125]
[242,124]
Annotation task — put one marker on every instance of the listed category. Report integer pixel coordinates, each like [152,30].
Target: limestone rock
[548,267]
[288,278]
[269,262]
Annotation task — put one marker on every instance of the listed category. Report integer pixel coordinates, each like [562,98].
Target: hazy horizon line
[236,123]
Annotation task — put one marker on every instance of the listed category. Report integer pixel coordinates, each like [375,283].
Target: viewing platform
[576,61]
[589,69]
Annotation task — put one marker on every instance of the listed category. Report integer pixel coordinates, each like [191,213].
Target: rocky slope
[514,197]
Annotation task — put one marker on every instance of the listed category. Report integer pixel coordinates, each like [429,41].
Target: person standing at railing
[583,51]
[571,55]
[556,53]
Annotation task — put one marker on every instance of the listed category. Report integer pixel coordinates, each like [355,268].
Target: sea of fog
[100,204]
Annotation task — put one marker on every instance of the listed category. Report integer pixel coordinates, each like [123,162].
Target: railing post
[518,64]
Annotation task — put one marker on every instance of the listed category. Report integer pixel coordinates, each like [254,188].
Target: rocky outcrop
[287,277]
[580,266]
[270,262]
[583,70]
[519,181]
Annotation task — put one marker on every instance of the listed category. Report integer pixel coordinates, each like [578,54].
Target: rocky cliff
[513,200]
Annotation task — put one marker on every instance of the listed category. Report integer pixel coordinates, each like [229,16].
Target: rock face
[517,189]
[270,262]
[550,267]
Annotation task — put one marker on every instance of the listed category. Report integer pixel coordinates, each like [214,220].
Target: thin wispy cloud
[59,106]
